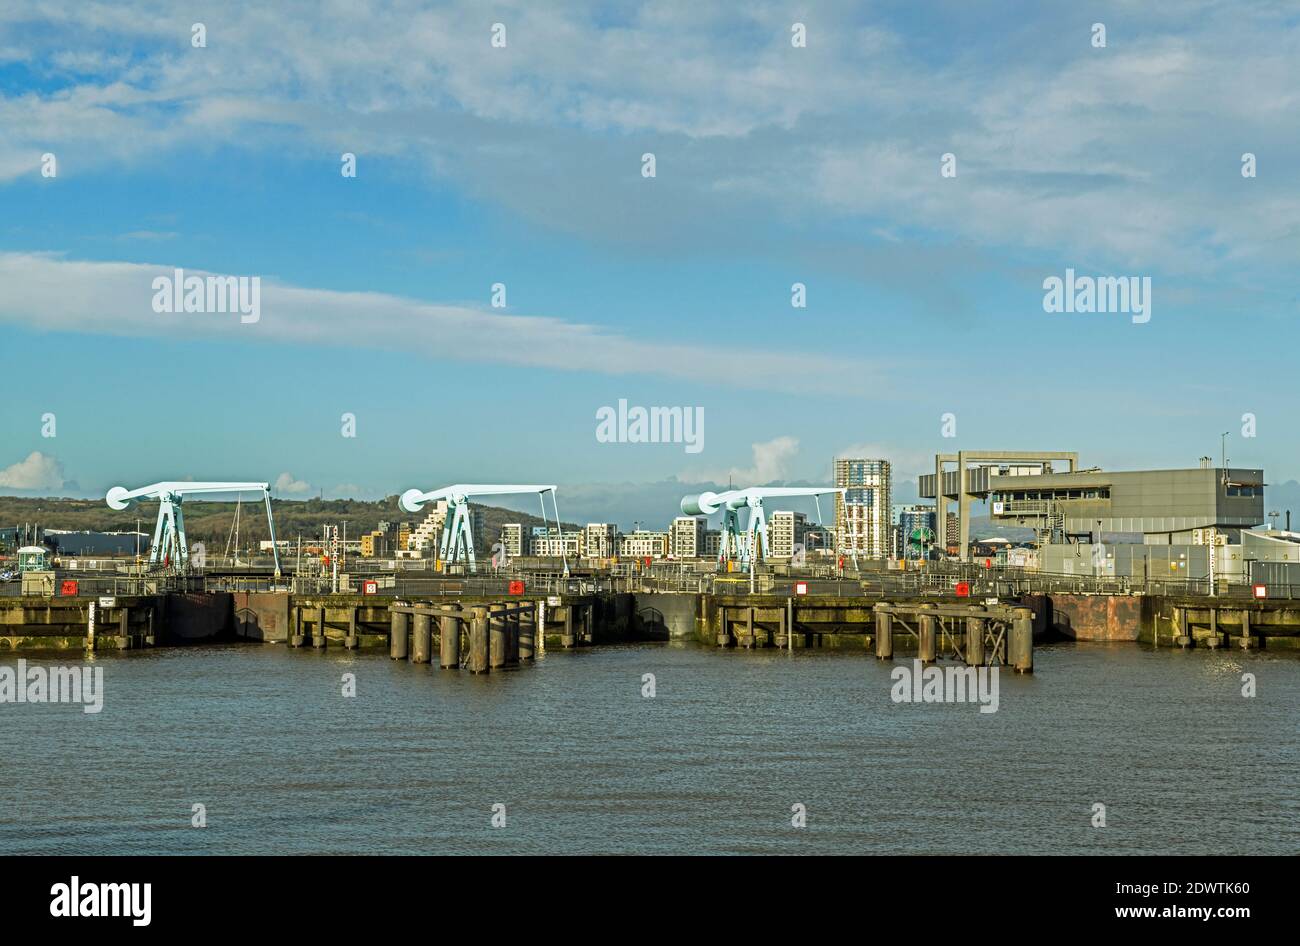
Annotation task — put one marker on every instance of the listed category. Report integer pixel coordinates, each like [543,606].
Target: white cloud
[38,471]
[771,463]
[285,483]
[114,298]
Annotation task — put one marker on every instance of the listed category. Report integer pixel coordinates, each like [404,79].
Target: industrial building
[973,480]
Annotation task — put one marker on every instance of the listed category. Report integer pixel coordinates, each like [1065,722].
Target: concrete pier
[512,637]
[884,634]
[449,642]
[528,633]
[568,640]
[318,629]
[397,642]
[497,638]
[421,638]
[926,646]
[974,641]
[1020,650]
[478,641]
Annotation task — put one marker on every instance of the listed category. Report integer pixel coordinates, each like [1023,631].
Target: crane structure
[457,534]
[751,544]
[169,548]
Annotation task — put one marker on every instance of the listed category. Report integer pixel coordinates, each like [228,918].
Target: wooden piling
[449,642]
[1021,648]
[420,639]
[974,641]
[397,643]
[478,641]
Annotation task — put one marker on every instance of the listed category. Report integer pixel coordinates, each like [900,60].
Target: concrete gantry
[971,481]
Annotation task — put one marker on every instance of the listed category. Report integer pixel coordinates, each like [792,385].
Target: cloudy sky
[522,165]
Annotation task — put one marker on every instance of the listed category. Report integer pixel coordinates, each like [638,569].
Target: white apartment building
[686,538]
[429,532]
[643,544]
[785,530]
[600,540]
[553,544]
[512,538]
[712,543]
[863,515]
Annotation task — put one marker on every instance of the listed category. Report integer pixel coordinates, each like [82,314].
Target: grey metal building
[1165,507]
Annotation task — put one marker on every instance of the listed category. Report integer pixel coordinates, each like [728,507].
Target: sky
[522,165]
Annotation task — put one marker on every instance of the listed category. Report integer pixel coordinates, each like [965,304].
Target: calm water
[414,763]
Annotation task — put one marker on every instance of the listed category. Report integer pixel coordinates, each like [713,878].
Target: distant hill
[210,522]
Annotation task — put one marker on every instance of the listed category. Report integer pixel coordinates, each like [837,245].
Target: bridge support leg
[448,642]
[397,636]
[1246,642]
[528,634]
[123,628]
[1213,640]
[1022,641]
[723,637]
[747,640]
[478,641]
[589,621]
[298,638]
[420,639]
[497,639]
[884,635]
[925,626]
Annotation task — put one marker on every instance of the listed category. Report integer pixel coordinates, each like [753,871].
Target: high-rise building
[863,514]
[686,540]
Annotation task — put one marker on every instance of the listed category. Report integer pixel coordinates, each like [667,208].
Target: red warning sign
[516,588]
[963,589]
[69,588]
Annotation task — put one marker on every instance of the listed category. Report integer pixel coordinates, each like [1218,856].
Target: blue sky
[522,165]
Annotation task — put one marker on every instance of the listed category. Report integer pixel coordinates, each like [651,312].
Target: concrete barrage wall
[1091,617]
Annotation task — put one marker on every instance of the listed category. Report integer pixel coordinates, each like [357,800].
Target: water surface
[263,737]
